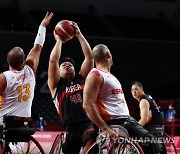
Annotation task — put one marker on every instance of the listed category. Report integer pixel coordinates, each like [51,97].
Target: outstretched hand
[47,19]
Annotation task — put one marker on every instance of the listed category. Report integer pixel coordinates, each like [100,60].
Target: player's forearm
[40,37]
[95,117]
[38,43]
[142,122]
[85,46]
[56,52]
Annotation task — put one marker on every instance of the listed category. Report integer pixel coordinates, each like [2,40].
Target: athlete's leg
[88,138]
[136,130]
[72,145]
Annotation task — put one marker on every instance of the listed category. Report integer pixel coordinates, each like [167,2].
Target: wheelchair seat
[17,129]
[19,134]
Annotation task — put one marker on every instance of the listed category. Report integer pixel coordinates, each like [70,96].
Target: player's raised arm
[54,68]
[33,57]
[88,62]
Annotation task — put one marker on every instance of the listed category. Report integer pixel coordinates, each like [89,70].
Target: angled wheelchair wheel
[57,145]
[120,130]
[2,146]
[121,146]
[125,146]
[30,147]
[169,143]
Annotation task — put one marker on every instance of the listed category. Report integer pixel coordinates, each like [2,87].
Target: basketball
[65,30]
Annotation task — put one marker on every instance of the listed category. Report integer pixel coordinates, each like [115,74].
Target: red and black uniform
[155,124]
[156,116]
[68,101]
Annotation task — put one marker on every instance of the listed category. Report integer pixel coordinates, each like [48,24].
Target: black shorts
[131,125]
[78,138]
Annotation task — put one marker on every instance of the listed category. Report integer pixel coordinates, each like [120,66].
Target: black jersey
[156,116]
[69,96]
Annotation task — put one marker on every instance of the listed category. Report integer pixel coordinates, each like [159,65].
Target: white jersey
[18,95]
[111,101]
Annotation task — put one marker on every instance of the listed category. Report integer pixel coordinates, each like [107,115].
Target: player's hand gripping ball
[65,30]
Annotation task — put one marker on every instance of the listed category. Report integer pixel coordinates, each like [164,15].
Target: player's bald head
[15,57]
[99,52]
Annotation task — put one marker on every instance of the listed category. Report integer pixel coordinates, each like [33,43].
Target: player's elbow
[142,122]
[86,107]
[53,60]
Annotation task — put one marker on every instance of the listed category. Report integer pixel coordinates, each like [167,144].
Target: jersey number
[76,98]
[23,92]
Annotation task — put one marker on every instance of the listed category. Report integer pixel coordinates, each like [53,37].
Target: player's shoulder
[2,75]
[94,76]
[95,72]
[27,67]
[6,74]
[144,102]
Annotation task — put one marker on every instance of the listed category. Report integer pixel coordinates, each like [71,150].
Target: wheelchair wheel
[169,143]
[125,146]
[57,145]
[121,146]
[2,146]
[31,147]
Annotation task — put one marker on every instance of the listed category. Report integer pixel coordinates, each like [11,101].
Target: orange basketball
[65,30]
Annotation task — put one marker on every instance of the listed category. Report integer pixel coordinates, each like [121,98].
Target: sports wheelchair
[166,142]
[16,137]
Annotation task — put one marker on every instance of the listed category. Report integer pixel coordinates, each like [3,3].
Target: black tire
[169,143]
[2,146]
[57,144]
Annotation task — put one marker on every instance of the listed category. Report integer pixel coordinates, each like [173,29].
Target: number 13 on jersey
[24,92]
